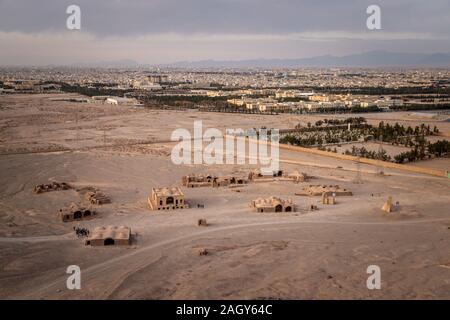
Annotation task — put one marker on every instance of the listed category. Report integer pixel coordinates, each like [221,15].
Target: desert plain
[125,152]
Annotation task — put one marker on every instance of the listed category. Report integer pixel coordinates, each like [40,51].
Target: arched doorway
[108,242]
[169,200]
[288,209]
[77,215]
[87,213]
[279,208]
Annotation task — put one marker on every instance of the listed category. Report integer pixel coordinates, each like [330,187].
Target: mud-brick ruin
[272,204]
[256,174]
[76,212]
[199,180]
[297,176]
[228,181]
[279,175]
[209,180]
[110,235]
[328,198]
[97,198]
[166,199]
[53,186]
[319,190]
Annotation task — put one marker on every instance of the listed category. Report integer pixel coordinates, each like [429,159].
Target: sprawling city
[222,178]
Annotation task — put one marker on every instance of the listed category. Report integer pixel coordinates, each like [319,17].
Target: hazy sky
[33,32]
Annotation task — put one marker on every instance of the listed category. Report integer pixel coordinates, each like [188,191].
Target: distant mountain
[367,59]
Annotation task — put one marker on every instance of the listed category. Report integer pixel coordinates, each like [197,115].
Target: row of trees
[93,91]
[411,156]
[420,151]
[394,133]
[335,110]
[333,124]
[317,138]
[421,107]
[188,102]
[439,148]
[381,154]
[337,122]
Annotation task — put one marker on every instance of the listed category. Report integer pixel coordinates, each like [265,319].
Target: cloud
[80,47]
[160,31]
[306,36]
[136,17]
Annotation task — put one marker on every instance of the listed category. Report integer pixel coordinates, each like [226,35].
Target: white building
[122,101]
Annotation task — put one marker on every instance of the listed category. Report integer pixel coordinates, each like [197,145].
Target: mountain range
[367,59]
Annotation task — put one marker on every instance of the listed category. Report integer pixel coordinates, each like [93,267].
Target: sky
[34,32]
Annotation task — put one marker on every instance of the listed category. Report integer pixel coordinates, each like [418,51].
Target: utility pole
[380,150]
[77,133]
[358,179]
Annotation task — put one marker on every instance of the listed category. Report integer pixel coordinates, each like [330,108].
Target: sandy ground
[300,255]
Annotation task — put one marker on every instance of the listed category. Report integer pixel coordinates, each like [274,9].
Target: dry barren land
[124,152]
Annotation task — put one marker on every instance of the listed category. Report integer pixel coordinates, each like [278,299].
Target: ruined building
[328,198]
[97,198]
[53,186]
[75,213]
[199,180]
[256,174]
[279,175]
[297,176]
[110,235]
[272,204]
[228,180]
[166,199]
[318,190]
